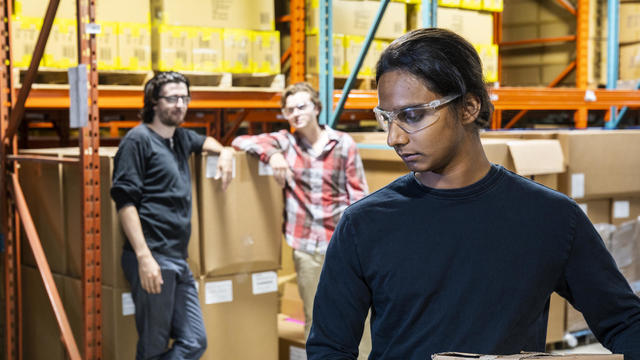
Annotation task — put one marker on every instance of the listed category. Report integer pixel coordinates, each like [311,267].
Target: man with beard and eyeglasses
[152,192]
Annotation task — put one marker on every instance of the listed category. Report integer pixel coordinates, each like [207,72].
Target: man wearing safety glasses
[321,173]
[152,192]
[460,254]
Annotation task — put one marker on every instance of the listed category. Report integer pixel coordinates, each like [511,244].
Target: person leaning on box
[321,173]
[152,192]
[460,254]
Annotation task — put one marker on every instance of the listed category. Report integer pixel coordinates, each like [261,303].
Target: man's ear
[470,109]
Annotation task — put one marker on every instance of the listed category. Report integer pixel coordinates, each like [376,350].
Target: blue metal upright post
[325,59]
[613,19]
[429,13]
[354,72]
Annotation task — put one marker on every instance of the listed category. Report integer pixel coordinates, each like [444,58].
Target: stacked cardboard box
[222,36]
[233,253]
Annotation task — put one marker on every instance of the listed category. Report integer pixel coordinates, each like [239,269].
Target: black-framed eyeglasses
[173,99]
[414,118]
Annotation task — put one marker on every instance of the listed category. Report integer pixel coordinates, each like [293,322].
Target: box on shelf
[265,57]
[493,5]
[38,8]
[24,37]
[471,4]
[598,211]
[291,303]
[107,49]
[240,315]
[171,48]
[356,17]
[489,58]
[475,26]
[449,3]
[240,228]
[208,49]
[311,49]
[352,48]
[119,334]
[134,46]
[556,323]
[291,340]
[236,57]
[62,47]
[630,62]
[624,209]
[243,14]
[525,355]
[629,23]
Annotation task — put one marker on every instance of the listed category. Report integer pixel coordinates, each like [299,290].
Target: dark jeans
[174,313]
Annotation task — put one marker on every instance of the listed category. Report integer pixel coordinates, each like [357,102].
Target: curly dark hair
[152,91]
[445,62]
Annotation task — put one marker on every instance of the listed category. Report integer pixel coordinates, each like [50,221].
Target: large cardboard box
[629,23]
[171,48]
[556,323]
[24,37]
[236,57]
[241,14]
[208,49]
[119,334]
[291,340]
[240,315]
[598,211]
[38,319]
[134,46]
[107,51]
[38,8]
[291,302]
[591,172]
[525,355]
[240,228]
[311,49]
[265,52]
[355,18]
[62,47]
[475,26]
[630,62]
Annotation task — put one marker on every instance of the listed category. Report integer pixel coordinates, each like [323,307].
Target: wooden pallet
[50,76]
[230,81]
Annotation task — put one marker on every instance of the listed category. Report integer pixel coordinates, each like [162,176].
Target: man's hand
[150,274]
[225,166]
[281,171]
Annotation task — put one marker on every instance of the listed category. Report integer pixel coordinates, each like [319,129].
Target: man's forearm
[132,227]
[212,146]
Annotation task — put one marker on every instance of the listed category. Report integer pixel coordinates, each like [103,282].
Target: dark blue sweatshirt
[467,270]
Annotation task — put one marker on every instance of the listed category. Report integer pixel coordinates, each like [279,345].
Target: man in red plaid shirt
[321,173]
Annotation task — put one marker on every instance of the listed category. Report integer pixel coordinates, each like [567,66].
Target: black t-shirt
[152,173]
[467,270]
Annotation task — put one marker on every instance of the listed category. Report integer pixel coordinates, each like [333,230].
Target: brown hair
[301,87]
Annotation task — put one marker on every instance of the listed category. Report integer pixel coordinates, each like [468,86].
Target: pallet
[230,81]
[51,76]
[361,82]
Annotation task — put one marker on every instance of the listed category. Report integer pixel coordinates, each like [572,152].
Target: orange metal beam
[45,271]
[539,41]
[297,71]
[568,6]
[515,98]
[42,159]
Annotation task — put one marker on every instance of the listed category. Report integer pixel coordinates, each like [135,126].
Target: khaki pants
[308,267]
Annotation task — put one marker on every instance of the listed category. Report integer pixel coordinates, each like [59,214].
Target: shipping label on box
[208,49]
[171,48]
[134,46]
[311,49]
[24,37]
[237,51]
[265,58]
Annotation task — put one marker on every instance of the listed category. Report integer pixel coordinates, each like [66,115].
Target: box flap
[537,157]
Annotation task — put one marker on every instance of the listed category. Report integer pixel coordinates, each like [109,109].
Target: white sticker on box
[584,208]
[264,282]
[577,185]
[216,292]
[128,307]
[297,353]
[264,169]
[621,209]
[212,167]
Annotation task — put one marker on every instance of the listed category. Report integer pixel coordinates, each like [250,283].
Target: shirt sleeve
[342,300]
[593,284]
[195,141]
[263,145]
[128,173]
[357,187]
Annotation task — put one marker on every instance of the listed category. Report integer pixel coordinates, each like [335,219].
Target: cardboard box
[291,340]
[556,323]
[38,8]
[240,315]
[525,355]
[630,62]
[449,3]
[242,14]
[471,4]
[38,319]
[119,334]
[493,5]
[134,46]
[107,51]
[625,249]
[291,302]
[598,211]
[171,48]
[240,228]
[126,11]
[237,53]
[489,58]
[624,209]
[475,26]
[311,49]
[208,49]
[62,47]
[629,23]
[24,37]
[265,56]
[356,17]
[352,47]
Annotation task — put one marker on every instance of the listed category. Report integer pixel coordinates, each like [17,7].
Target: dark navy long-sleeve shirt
[152,173]
[467,270]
